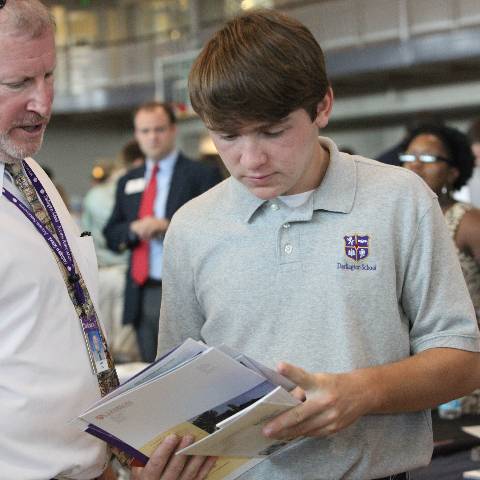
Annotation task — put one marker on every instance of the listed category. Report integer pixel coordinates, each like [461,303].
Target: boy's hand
[332,402]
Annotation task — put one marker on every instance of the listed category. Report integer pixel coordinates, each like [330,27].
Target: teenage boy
[336,264]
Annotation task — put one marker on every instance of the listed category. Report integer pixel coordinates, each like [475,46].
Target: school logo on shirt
[357,248]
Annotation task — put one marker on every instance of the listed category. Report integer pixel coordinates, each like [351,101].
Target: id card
[95,345]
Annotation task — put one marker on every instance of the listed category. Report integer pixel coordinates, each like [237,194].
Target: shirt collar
[336,193]
[166,163]
[245,202]
[5,179]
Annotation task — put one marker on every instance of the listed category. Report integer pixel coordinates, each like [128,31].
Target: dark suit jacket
[189,179]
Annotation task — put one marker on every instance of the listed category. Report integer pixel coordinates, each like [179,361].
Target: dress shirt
[164,177]
[45,374]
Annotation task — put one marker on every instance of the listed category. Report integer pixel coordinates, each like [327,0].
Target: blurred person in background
[441,155]
[146,198]
[112,266]
[473,183]
[132,156]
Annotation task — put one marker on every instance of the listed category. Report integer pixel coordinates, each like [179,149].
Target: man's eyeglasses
[2,3]
[422,157]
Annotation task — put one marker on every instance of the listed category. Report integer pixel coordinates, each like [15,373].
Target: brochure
[220,396]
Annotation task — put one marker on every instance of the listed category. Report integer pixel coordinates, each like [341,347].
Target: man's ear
[324,109]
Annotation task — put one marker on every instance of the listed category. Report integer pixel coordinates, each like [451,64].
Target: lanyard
[61,248]
[96,346]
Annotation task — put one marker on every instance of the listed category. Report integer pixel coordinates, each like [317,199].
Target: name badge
[95,345]
[136,185]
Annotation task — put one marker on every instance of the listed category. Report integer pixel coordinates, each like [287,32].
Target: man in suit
[146,199]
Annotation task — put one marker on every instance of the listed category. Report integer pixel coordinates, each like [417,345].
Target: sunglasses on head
[422,157]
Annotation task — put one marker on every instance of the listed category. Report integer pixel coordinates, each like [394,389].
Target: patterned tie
[141,253]
[23,184]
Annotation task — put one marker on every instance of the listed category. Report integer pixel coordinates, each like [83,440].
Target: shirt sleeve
[435,296]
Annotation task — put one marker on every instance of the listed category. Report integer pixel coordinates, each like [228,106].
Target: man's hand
[331,402]
[165,465]
[148,228]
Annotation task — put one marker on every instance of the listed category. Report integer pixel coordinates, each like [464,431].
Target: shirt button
[286,225]
[288,249]
[274,206]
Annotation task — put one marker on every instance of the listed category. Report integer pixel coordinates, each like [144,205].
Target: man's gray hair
[25,17]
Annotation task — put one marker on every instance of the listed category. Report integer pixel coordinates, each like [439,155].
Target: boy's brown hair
[259,67]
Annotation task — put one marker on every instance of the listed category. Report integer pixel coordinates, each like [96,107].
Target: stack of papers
[221,397]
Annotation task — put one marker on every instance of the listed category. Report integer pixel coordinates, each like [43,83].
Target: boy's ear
[324,109]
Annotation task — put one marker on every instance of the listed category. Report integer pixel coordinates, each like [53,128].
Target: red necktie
[141,253]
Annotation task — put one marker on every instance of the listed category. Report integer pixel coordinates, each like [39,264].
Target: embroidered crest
[357,247]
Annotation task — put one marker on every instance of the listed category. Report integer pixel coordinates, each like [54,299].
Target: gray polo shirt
[364,273]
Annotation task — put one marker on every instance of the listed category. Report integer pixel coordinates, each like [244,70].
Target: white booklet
[241,434]
[220,396]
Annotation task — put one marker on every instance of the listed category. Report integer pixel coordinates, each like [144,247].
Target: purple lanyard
[62,249]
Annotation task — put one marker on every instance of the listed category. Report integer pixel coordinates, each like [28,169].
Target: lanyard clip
[73,278]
